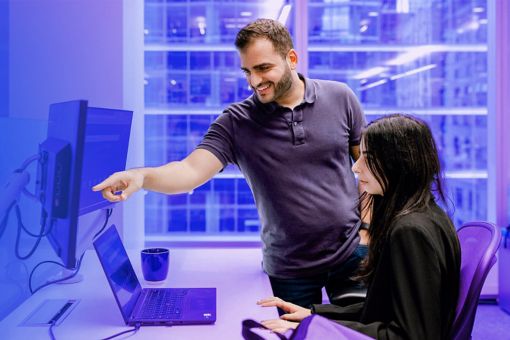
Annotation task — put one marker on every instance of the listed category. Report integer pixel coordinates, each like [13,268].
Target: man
[293,140]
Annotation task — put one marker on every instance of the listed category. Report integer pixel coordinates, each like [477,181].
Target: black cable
[50,330]
[27,162]
[30,195]
[108,214]
[43,218]
[22,227]
[5,221]
[78,265]
[23,167]
[43,233]
[134,329]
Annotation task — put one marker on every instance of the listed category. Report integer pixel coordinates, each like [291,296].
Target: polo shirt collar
[309,96]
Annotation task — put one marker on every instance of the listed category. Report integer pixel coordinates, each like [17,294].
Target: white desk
[236,273]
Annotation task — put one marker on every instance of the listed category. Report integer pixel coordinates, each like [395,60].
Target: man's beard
[282,86]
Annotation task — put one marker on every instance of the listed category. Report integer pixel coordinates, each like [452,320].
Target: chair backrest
[479,242]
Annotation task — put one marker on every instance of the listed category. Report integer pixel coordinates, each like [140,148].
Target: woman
[413,264]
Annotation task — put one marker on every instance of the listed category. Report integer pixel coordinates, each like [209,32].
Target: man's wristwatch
[364,226]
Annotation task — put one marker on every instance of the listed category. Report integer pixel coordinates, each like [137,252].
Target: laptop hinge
[139,303]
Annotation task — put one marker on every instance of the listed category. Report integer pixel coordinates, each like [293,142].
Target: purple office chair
[479,242]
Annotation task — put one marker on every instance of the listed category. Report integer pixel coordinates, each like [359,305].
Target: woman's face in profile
[366,178]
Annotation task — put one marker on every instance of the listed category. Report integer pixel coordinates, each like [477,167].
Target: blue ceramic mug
[155,263]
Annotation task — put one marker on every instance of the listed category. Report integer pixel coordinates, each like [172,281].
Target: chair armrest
[349,297]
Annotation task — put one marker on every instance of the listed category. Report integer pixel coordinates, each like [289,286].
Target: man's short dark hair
[268,29]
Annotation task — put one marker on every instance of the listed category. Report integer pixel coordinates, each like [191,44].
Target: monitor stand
[63,273]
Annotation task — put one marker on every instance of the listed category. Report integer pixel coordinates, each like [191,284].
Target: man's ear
[292,58]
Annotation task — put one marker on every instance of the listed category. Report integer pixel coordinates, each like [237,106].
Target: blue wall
[50,51]
[4,57]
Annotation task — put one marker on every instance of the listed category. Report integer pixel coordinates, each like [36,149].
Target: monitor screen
[105,152]
[84,146]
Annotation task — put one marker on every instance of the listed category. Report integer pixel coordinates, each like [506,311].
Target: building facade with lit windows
[427,58]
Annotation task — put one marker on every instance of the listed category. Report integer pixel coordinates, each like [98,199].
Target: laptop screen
[118,270]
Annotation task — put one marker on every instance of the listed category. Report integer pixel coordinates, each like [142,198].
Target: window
[428,58]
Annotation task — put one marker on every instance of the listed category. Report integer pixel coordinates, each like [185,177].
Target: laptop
[150,306]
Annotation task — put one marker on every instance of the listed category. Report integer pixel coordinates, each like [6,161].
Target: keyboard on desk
[163,304]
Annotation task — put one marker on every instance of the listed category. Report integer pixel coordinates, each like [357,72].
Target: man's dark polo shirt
[298,166]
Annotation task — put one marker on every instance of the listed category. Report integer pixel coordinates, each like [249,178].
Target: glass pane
[430,79]
[204,79]
[177,23]
[462,145]
[175,60]
[155,222]
[424,58]
[469,197]
[248,221]
[427,58]
[177,220]
[154,23]
[401,22]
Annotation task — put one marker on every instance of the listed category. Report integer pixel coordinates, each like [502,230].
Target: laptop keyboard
[163,304]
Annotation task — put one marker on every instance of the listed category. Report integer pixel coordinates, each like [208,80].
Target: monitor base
[62,274]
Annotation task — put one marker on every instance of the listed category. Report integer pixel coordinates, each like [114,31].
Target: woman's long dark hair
[402,155]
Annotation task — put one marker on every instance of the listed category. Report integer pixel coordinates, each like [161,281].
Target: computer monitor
[84,145]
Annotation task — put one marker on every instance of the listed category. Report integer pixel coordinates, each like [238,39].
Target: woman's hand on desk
[279,325]
[294,314]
